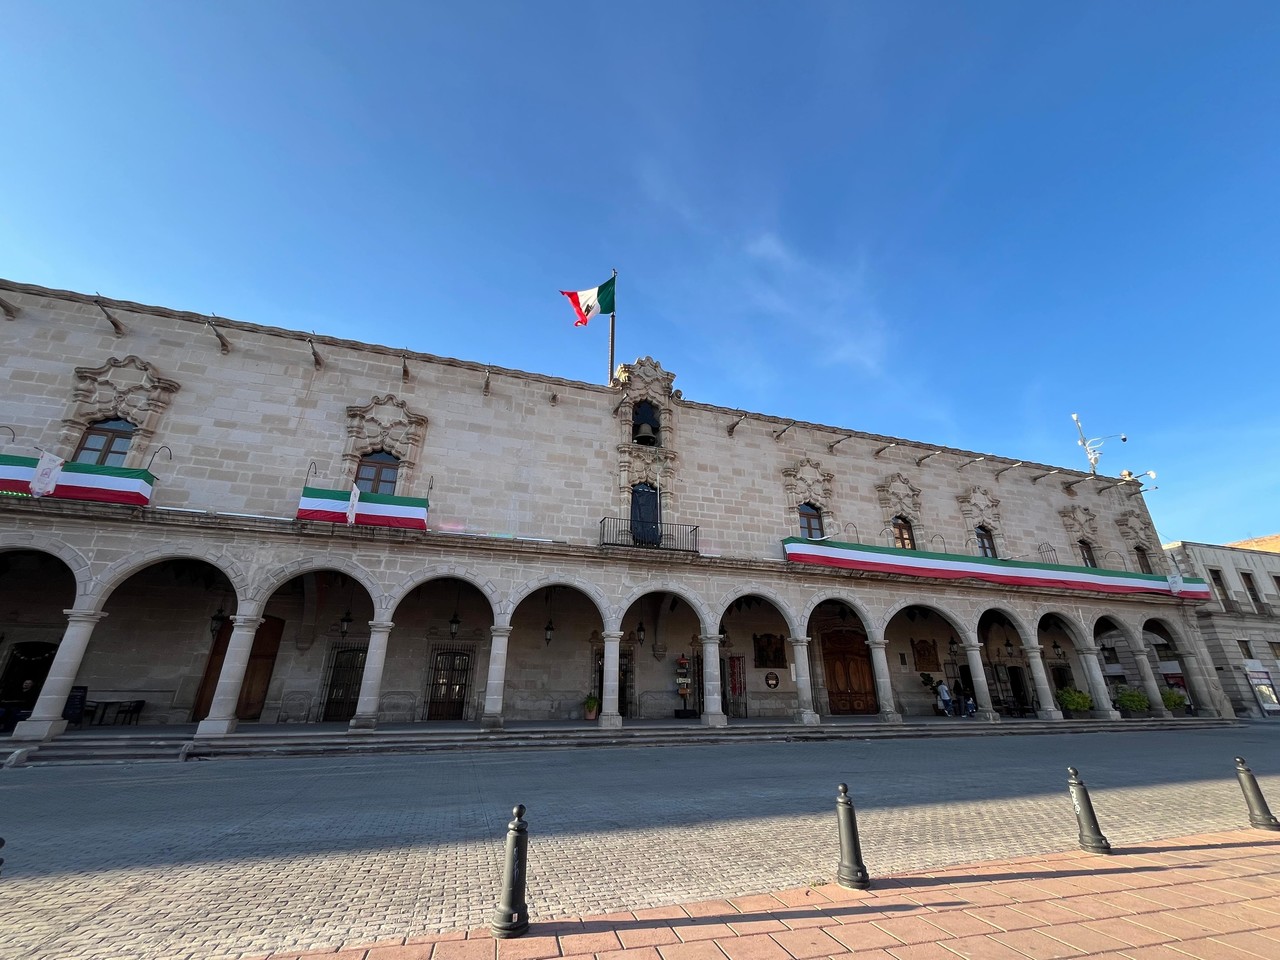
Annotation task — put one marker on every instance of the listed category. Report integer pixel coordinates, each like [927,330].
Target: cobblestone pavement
[232,858]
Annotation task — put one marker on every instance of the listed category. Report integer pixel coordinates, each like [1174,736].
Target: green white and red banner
[593,302]
[78,481]
[950,566]
[371,509]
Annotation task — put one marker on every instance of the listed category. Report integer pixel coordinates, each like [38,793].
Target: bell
[644,434]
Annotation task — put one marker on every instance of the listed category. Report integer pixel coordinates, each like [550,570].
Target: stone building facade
[1240,626]
[522,546]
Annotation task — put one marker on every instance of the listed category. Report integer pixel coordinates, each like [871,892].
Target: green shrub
[1129,699]
[1174,700]
[1069,698]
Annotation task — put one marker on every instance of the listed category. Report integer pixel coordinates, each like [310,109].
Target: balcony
[623,532]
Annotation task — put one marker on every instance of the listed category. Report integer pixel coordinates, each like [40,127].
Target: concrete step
[142,747]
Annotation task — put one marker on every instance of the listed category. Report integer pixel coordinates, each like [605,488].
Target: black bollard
[1,845]
[852,872]
[1091,837]
[511,918]
[1259,813]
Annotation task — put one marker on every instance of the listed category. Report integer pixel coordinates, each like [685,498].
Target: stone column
[496,682]
[222,713]
[804,685]
[366,718]
[1097,685]
[1048,709]
[981,692]
[1199,684]
[712,712]
[610,716]
[1149,681]
[46,720]
[884,684]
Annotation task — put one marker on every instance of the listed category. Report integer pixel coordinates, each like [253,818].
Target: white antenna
[1092,448]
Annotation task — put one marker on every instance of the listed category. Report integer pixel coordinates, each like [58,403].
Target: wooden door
[257,674]
[851,685]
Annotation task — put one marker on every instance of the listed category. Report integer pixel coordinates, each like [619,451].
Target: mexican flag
[588,303]
[370,509]
[29,477]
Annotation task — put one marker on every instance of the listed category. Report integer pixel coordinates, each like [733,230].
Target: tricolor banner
[371,509]
[77,481]
[950,566]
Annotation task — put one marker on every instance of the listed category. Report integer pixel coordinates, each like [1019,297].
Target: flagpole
[613,317]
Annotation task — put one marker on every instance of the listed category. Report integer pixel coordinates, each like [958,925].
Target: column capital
[496,631]
[380,624]
[798,641]
[709,638]
[612,635]
[83,616]
[879,643]
[239,621]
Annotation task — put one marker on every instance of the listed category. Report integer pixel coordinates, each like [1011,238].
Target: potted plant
[591,707]
[1073,701]
[1175,701]
[1132,702]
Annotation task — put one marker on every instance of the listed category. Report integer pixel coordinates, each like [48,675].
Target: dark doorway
[851,685]
[257,673]
[626,680]
[450,685]
[646,516]
[346,670]
[1062,678]
[1018,689]
[23,677]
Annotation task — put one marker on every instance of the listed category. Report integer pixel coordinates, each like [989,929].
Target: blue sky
[957,223]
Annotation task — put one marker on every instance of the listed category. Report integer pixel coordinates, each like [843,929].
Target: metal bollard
[1259,813]
[511,917]
[1091,837]
[852,872]
[1,845]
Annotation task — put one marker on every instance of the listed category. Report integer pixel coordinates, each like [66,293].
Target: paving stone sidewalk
[1211,896]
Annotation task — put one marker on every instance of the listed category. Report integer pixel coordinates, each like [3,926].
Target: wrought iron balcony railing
[622,532]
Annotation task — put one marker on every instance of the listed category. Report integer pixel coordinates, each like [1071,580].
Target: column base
[888,716]
[491,721]
[361,724]
[1105,714]
[714,720]
[988,715]
[609,721]
[1161,713]
[38,729]
[1049,715]
[808,718]
[216,728]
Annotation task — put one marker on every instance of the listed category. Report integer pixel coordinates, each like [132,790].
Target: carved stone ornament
[980,508]
[657,466]
[1081,523]
[1133,528]
[384,423]
[128,389]
[899,497]
[637,463]
[807,482]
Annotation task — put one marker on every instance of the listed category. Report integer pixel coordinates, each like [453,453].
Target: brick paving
[1212,896]
[244,858]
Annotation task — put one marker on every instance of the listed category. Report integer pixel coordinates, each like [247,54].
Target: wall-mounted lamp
[640,633]
[832,445]
[887,446]
[454,624]
[216,622]
[344,625]
[549,632]
[1058,653]
[1007,469]
[1128,476]
[927,456]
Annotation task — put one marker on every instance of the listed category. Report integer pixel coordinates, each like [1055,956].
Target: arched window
[904,537]
[810,522]
[645,426]
[377,473]
[1086,553]
[105,443]
[986,540]
[1144,561]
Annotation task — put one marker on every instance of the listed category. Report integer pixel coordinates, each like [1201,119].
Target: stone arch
[613,621]
[957,622]
[278,577]
[869,622]
[216,556]
[765,593]
[1125,630]
[1179,638]
[77,563]
[502,613]
[1025,633]
[1075,629]
[396,594]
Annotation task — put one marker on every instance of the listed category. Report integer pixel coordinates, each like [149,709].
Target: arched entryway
[551,668]
[924,641]
[847,673]
[659,631]
[757,677]
[35,588]
[1013,691]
